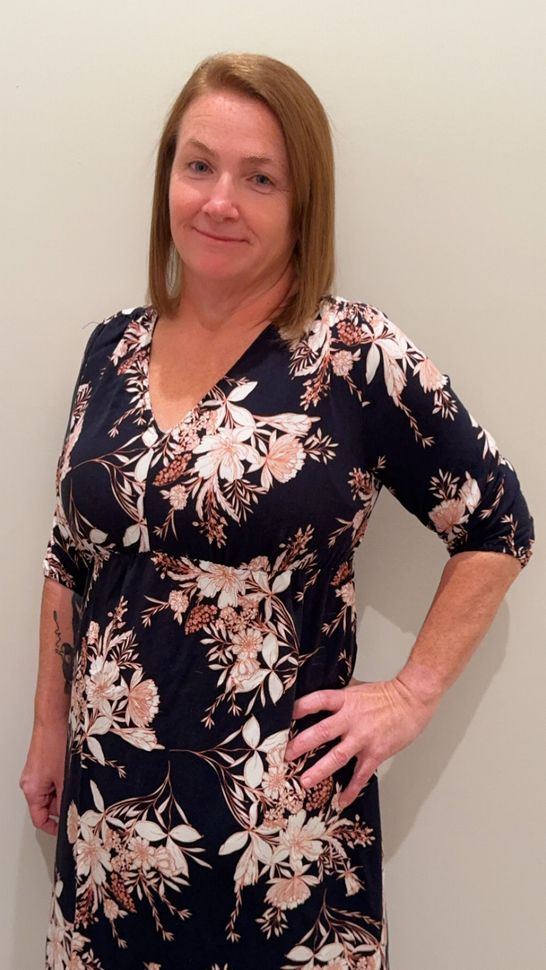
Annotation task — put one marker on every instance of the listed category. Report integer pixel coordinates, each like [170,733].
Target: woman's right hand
[43,774]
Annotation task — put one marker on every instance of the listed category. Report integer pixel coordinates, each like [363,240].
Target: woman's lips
[217,238]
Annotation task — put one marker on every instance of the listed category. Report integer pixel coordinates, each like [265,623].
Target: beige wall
[438,111]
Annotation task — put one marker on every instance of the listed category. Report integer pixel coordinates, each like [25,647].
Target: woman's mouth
[226,239]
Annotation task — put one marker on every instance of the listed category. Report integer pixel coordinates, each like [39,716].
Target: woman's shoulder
[351,324]
[353,319]
[124,330]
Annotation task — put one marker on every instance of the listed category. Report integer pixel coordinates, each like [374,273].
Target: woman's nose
[222,200]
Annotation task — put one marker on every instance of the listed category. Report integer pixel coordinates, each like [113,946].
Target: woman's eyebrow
[252,159]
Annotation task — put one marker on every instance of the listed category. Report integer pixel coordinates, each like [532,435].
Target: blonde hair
[306,130]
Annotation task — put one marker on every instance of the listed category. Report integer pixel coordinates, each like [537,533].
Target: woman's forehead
[217,118]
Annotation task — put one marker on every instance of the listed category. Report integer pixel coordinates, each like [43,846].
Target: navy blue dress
[213,567]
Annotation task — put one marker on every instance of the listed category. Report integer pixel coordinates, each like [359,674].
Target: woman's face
[230,180]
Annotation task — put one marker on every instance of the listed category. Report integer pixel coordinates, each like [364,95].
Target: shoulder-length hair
[308,140]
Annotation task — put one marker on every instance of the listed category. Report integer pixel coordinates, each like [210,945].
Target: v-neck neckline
[153,316]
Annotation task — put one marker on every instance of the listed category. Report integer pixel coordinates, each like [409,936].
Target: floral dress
[213,567]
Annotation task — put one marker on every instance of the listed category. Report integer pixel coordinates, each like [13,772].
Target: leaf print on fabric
[133,853]
[239,458]
[288,837]
[340,940]
[242,620]
[323,354]
[457,503]
[65,948]
[344,585]
[110,693]
[72,541]
[400,358]
[129,357]
[365,488]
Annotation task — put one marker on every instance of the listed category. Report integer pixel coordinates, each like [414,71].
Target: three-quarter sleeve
[430,452]
[66,560]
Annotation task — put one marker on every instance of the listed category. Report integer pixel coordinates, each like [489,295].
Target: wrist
[424,682]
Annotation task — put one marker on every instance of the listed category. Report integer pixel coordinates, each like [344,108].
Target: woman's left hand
[373,719]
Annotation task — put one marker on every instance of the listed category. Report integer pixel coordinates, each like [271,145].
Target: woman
[225,448]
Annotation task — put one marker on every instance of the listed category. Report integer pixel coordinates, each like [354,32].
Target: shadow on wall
[398,568]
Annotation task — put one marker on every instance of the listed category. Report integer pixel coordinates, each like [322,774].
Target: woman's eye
[265,184]
[198,171]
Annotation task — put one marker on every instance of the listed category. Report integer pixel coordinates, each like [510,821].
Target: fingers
[43,806]
[41,819]
[326,730]
[363,772]
[330,763]
[319,700]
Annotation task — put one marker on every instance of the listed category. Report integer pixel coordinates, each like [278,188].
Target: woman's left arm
[428,450]
[375,720]
[471,589]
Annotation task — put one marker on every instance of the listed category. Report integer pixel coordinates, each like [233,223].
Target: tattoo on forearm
[67,651]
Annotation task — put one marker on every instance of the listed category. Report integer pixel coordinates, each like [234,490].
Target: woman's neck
[211,308]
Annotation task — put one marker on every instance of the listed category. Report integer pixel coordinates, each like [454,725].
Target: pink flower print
[245,675]
[56,955]
[247,645]
[342,363]
[91,857]
[430,377]
[230,618]
[259,563]
[300,839]
[142,700]
[274,779]
[169,860]
[101,686]
[224,452]
[283,460]
[287,893]
[141,853]
[178,602]
[373,962]
[178,497]
[447,514]
[226,580]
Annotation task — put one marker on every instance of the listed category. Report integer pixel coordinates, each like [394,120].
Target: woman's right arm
[66,571]
[42,776]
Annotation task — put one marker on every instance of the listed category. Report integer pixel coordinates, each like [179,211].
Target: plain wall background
[438,120]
